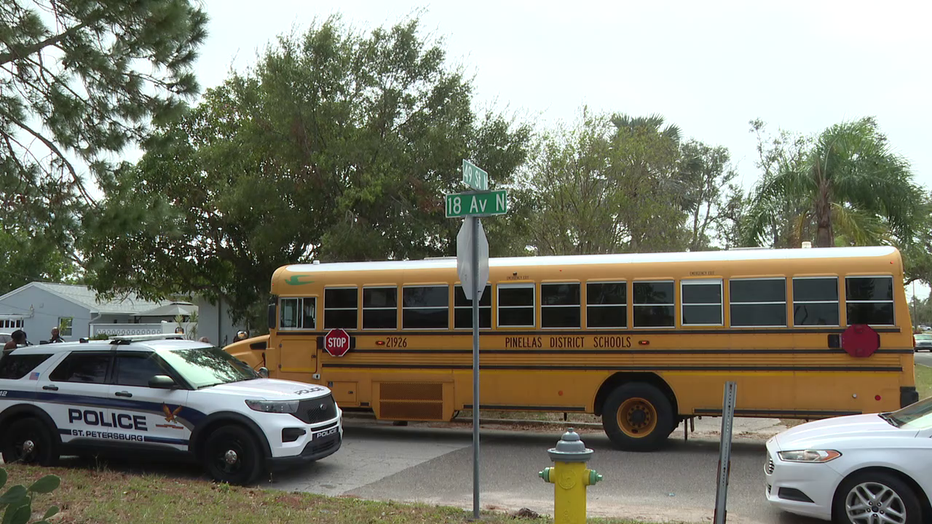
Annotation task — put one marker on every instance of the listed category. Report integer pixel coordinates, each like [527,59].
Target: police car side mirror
[264,372]
[161,382]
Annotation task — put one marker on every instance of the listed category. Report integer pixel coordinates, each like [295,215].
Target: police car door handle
[50,388]
[123,394]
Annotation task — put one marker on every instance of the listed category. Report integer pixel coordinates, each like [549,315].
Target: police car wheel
[232,455]
[28,441]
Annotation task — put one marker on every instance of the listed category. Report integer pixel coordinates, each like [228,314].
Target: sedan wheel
[877,498]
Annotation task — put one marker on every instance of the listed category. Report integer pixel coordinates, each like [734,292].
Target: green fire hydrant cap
[570,449]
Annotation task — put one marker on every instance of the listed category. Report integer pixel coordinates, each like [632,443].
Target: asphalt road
[924,358]
[430,465]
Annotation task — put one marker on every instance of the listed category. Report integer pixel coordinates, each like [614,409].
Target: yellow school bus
[642,340]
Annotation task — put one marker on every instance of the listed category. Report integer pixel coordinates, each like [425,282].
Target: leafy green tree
[847,182]
[646,171]
[79,81]
[706,175]
[572,191]
[614,183]
[917,251]
[25,259]
[336,146]
[778,221]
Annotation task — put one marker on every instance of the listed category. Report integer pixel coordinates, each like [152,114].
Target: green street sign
[477,204]
[474,177]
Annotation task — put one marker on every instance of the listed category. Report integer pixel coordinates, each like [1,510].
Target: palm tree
[849,183]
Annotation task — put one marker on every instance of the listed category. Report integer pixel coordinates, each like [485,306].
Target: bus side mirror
[272,315]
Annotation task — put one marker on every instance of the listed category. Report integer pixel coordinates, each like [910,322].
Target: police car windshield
[204,367]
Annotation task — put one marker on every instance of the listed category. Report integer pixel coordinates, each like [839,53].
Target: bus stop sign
[337,342]
[860,340]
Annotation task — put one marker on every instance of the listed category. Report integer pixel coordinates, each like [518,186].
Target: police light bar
[128,339]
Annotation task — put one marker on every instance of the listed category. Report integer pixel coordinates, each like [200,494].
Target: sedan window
[916,416]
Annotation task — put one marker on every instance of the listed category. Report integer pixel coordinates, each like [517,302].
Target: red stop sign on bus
[337,342]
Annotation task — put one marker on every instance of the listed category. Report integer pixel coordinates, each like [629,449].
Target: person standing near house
[55,336]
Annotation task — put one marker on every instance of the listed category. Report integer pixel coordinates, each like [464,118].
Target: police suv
[168,395]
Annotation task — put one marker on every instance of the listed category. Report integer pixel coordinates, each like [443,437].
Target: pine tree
[80,80]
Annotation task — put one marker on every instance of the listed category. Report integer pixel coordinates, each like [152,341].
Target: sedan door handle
[123,394]
[50,388]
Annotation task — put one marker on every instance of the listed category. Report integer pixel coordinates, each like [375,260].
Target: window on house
[757,302]
[379,307]
[298,313]
[64,326]
[606,305]
[462,309]
[341,306]
[702,302]
[653,304]
[425,307]
[869,300]
[559,305]
[516,305]
[815,301]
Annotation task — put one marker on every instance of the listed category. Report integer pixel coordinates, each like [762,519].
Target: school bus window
[758,302]
[869,300]
[298,313]
[425,307]
[653,304]
[606,305]
[379,307]
[516,305]
[815,301]
[341,305]
[702,302]
[559,305]
[462,309]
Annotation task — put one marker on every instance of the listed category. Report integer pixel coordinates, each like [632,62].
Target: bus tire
[637,417]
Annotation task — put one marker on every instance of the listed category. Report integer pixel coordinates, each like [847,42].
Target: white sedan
[859,469]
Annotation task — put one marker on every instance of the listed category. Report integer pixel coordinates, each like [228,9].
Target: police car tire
[45,452]
[248,464]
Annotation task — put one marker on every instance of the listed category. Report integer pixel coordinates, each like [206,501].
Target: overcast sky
[708,67]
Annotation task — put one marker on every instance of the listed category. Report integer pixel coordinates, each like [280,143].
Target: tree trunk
[825,236]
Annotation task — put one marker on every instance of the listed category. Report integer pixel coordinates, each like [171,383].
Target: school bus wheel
[637,417]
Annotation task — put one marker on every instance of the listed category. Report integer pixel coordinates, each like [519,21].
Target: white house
[37,307]
[214,321]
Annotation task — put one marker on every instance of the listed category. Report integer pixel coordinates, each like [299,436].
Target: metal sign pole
[475,366]
[724,458]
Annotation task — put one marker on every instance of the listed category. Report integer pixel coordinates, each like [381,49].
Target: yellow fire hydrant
[570,477]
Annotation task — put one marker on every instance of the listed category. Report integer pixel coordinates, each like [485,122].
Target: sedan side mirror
[264,372]
[161,382]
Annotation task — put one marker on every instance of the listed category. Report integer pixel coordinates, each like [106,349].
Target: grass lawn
[100,496]
[923,381]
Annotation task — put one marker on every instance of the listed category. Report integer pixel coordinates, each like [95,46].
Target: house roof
[87,298]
